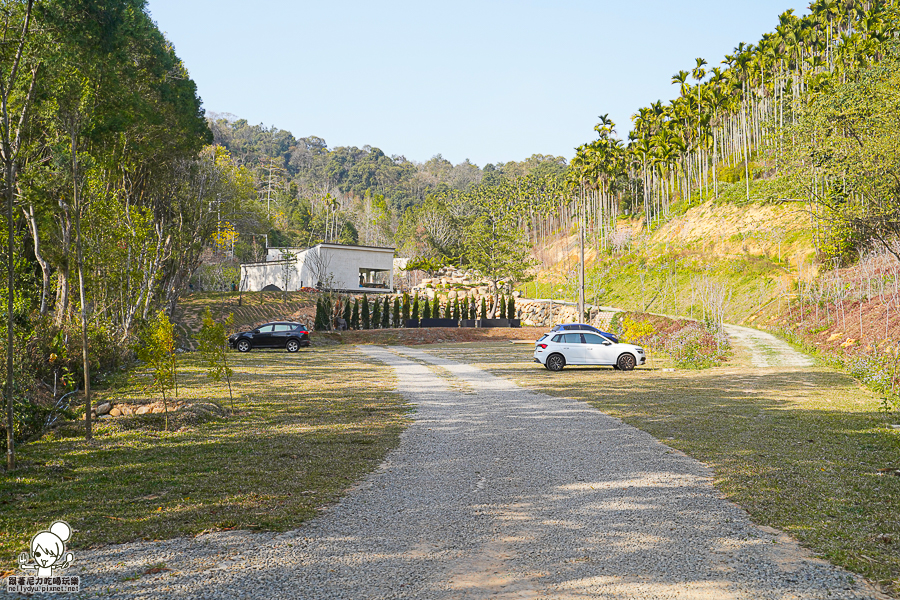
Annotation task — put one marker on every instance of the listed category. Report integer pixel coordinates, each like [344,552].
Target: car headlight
[639,350]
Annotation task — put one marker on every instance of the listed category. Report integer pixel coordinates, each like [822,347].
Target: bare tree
[319,263]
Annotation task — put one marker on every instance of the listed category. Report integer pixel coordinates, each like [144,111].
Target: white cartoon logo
[48,550]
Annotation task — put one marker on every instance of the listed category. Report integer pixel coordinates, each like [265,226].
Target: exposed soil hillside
[248,309]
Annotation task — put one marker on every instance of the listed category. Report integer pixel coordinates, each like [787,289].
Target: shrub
[511,308]
[366,314]
[376,314]
[695,347]
[346,315]
[426,309]
[502,307]
[397,312]
[354,317]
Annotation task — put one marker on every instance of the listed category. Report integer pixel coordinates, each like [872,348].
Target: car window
[283,327]
[593,338]
[558,338]
[266,329]
[542,337]
[573,338]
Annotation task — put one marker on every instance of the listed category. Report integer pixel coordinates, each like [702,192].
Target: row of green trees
[112,192]
[385,313]
[762,113]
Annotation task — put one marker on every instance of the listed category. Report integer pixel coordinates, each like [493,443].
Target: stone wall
[450,283]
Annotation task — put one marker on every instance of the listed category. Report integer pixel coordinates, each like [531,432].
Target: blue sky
[490,81]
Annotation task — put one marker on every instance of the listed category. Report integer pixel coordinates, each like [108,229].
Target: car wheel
[243,346]
[555,362]
[626,362]
[292,345]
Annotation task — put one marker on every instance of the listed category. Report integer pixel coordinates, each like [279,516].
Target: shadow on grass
[303,432]
[800,449]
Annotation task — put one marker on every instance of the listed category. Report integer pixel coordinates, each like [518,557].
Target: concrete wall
[334,265]
[256,276]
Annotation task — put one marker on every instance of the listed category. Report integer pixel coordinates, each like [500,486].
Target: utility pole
[269,194]
[581,264]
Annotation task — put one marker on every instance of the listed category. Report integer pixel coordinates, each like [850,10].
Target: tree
[511,308]
[426,308]
[386,313]
[320,315]
[346,315]
[14,107]
[396,314]
[483,308]
[415,308]
[376,314]
[354,319]
[213,346]
[366,315]
[448,309]
[497,251]
[456,309]
[157,350]
[502,307]
[847,157]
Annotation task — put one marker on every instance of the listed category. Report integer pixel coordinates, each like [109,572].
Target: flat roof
[356,247]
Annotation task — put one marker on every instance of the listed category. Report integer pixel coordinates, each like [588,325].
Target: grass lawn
[307,426]
[799,449]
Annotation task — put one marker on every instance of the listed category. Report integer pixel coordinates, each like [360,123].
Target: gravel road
[495,492]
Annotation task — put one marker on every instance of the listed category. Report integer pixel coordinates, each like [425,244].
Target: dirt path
[765,349]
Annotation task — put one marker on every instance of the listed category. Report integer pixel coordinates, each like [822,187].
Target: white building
[326,266]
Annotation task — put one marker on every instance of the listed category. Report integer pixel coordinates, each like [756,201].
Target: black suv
[279,334]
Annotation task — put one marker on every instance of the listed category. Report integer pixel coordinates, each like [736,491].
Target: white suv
[556,350]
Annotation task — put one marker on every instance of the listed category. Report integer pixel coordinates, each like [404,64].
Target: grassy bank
[800,450]
[305,429]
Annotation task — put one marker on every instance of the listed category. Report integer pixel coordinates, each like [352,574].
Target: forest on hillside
[352,195]
[120,191]
[758,121]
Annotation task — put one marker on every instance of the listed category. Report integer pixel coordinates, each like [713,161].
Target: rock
[104,408]
[127,410]
[158,409]
[116,412]
[143,410]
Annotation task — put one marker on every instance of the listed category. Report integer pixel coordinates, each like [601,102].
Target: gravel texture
[495,492]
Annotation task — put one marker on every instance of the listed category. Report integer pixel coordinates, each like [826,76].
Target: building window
[374,278]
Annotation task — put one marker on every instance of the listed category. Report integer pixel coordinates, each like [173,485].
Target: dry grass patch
[801,449]
[307,426]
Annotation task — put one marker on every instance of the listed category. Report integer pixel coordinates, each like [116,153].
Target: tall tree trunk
[79,253]
[45,266]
